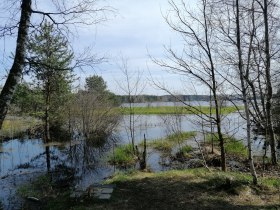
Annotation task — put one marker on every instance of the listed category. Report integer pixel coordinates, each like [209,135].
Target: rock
[33,199]
[107,190]
[105,196]
[234,165]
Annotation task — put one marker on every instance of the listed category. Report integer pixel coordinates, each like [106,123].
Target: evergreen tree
[49,59]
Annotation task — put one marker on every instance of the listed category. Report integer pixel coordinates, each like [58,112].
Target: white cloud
[136,30]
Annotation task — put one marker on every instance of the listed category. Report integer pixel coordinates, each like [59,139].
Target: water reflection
[23,160]
[29,158]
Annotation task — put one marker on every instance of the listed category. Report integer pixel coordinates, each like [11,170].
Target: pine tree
[49,59]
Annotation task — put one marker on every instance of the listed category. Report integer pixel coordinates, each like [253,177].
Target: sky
[135,32]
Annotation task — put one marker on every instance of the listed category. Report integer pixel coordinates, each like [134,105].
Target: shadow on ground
[189,193]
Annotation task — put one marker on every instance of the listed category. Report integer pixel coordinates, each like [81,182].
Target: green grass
[166,144]
[232,145]
[37,188]
[186,149]
[175,110]
[174,189]
[192,189]
[123,156]
[15,126]
[161,145]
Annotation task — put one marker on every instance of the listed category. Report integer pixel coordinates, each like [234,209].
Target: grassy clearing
[190,189]
[15,126]
[123,156]
[232,145]
[166,144]
[175,110]
[176,189]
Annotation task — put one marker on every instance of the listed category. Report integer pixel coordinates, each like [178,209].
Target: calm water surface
[23,160]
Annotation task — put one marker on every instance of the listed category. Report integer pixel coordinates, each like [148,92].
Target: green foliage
[28,99]
[232,145]
[50,61]
[123,156]
[96,84]
[176,110]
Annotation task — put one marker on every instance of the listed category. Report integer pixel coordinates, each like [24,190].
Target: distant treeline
[170,98]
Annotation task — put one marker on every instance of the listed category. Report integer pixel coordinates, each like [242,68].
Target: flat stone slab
[105,196]
[97,190]
[108,186]
[107,190]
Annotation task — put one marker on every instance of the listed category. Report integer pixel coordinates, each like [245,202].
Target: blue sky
[136,30]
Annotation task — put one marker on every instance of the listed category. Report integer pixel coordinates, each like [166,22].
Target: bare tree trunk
[214,88]
[47,112]
[244,93]
[269,86]
[131,122]
[17,67]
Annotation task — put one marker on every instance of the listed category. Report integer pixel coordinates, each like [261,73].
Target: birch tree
[197,60]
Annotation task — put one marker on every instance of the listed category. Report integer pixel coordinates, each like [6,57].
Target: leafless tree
[132,86]
[198,58]
[250,36]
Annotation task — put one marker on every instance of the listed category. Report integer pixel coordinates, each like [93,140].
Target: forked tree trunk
[17,67]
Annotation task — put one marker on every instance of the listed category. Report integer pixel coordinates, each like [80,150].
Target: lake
[23,160]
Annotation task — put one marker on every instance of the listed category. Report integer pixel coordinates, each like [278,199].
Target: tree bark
[244,92]
[269,86]
[17,67]
[47,112]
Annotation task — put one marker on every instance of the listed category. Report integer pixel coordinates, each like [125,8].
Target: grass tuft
[123,156]
[232,145]
[166,144]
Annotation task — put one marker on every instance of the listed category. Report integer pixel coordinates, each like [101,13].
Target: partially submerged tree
[132,86]
[197,59]
[249,42]
[49,60]
[92,111]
